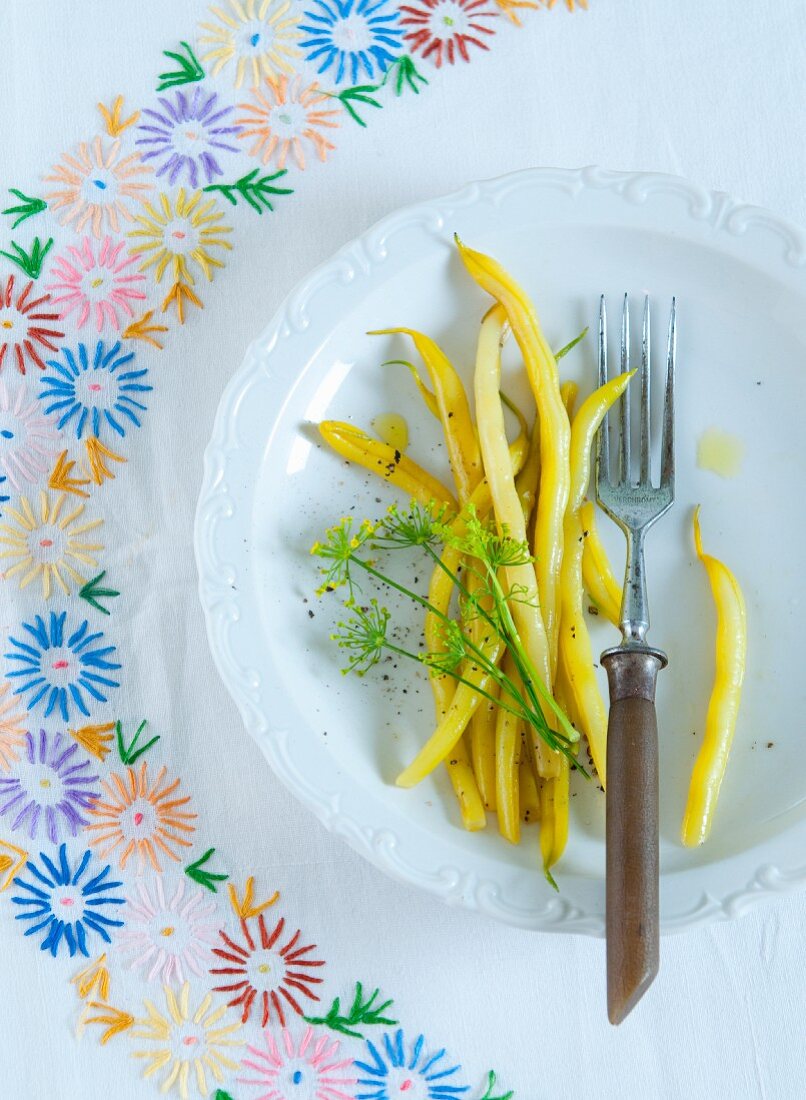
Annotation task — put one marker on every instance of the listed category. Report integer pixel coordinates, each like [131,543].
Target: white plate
[270,490]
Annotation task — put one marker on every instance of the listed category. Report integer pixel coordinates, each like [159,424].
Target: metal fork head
[631,499]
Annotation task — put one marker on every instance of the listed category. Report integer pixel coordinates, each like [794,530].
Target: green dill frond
[363,636]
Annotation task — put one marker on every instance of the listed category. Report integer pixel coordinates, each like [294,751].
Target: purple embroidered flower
[66,904]
[51,787]
[186,135]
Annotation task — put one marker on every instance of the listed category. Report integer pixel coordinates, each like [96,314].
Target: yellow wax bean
[723,706]
[575,645]
[597,573]
[390,465]
[454,411]
[508,509]
[555,432]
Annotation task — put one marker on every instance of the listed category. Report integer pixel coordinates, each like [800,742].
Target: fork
[632,669]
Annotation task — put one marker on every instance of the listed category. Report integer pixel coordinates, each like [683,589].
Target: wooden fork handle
[632,827]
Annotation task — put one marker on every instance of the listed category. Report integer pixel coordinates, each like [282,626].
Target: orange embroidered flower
[12,728]
[283,118]
[141,818]
[98,186]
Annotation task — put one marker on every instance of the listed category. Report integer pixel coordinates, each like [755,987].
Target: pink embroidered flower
[27,439]
[21,331]
[141,817]
[275,973]
[443,29]
[170,939]
[283,118]
[309,1068]
[96,282]
[98,186]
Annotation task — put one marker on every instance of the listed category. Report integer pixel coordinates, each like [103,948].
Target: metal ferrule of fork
[632,669]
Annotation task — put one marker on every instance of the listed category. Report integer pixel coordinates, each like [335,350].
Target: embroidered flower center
[42,785]
[352,34]
[46,546]
[100,188]
[289,120]
[58,661]
[96,284]
[187,139]
[8,324]
[10,428]
[298,1078]
[448,20]
[138,820]
[167,931]
[265,969]
[180,237]
[7,318]
[95,389]
[399,1082]
[188,1041]
[255,38]
[67,903]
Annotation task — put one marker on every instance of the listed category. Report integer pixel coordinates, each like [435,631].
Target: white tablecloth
[709,91]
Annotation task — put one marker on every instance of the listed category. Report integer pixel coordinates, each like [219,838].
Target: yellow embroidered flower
[180,234]
[258,37]
[98,186]
[186,1042]
[283,118]
[48,545]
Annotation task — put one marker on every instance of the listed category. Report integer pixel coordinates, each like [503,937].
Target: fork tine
[646,471]
[667,445]
[624,422]
[603,452]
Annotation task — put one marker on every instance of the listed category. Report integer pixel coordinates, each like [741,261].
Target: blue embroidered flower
[56,672]
[63,906]
[51,787]
[354,36]
[98,392]
[394,1074]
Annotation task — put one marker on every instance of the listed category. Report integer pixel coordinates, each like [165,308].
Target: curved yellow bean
[555,432]
[554,800]
[723,706]
[508,509]
[390,465]
[569,392]
[465,701]
[465,787]
[454,411]
[429,399]
[597,573]
[528,794]
[507,752]
[575,645]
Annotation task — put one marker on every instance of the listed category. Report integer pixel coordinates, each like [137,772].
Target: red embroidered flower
[20,328]
[267,970]
[445,28]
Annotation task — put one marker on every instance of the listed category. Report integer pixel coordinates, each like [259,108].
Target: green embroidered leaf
[189,70]
[221,1095]
[488,1095]
[208,879]
[360,1012]
[92,592]
[361,93]
[253,188]
[30,262]
[128,754]
[27,208]
[405,72]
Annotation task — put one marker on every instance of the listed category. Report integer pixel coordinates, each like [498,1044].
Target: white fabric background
[711,91]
